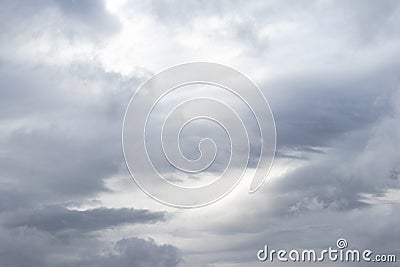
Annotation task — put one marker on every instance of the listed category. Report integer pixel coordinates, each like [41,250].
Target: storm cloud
[329,69]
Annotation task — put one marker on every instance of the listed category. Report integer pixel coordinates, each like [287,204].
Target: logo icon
[198,120]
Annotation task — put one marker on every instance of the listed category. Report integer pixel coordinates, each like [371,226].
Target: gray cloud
[61,134]
[29,246]
[362,161]
[331,107]
[324,199]
[74,19]
[60,220]
[139,252]
[332,82]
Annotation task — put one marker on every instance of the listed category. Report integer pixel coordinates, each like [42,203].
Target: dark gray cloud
[61,134]
[139,252]
[331,104]
[363,160]
[60,220]
[28,246]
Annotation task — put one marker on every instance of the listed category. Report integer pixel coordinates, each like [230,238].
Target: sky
[329,70]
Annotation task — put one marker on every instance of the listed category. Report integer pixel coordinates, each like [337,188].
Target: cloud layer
[329,69]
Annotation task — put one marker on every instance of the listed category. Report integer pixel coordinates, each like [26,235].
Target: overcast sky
[329,69]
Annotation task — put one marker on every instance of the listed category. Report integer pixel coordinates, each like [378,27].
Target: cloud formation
[57,220]
[330,70]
